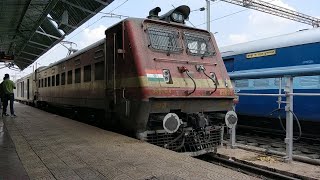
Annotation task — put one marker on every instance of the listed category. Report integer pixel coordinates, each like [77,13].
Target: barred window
[53,80]
[164,40]
[242,83]
[99,71]
[63,78]
[87,73]
[199,45]
[261,82]
[309,81]
[77,75]
[69,77]
[277,82]
[49,81]
[57,79]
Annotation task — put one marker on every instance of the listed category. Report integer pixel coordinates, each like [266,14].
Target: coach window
[49,81]
[99,71]
[63,78]
[77,75]
[57,79]
[69,78]
[53,80]
[87,73]
[39,83]
[45,82]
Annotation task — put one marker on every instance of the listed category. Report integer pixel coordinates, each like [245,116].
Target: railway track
[249,168]
[306,146]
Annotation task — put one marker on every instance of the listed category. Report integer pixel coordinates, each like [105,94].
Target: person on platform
[8,87]
[1,94]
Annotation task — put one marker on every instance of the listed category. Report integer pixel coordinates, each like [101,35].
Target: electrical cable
[296,118]
[194,83]
[176,139]
[214,82]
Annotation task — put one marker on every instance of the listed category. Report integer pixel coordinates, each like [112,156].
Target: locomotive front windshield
[168,40]
[198,45]
[164,40]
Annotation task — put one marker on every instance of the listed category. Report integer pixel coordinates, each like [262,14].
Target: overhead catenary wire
[227,15]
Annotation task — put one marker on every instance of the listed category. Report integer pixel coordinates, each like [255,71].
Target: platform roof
[29,28]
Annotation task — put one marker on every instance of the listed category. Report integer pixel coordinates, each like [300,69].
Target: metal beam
[48,35]
[31,54]
[20,61]
[48,8]
[30,60]
[79,7]
[43,45]
[102,2]
[36,47]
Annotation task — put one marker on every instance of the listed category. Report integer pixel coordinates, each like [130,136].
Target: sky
[231,24]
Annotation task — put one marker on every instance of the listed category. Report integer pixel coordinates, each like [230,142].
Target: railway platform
[48,146]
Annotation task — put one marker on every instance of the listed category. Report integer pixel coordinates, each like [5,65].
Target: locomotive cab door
[114,44]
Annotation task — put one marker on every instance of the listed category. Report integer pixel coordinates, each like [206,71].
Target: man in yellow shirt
[8,87]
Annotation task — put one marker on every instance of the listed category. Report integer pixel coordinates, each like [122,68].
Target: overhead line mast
[276,10]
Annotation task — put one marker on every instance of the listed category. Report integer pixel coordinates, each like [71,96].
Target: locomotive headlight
[213,75]
[171,123]
[177,17]
[167,76]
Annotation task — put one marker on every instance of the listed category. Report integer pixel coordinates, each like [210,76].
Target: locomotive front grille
[188,141]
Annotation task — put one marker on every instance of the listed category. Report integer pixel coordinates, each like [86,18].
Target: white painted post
[208,15]
[289,119]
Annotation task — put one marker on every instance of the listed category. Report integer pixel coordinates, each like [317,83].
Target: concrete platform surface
[54,147]
[276,162]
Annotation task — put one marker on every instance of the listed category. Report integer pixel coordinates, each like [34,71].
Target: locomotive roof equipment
[177,15]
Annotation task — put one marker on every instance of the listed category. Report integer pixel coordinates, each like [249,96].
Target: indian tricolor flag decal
[154,75]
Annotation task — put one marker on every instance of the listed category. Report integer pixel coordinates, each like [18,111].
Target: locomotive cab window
[198,45]
[164,39]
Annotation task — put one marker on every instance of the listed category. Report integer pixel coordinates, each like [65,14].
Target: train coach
[296,50]
[155,78]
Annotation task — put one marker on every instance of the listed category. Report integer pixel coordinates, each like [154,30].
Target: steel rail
[249,168]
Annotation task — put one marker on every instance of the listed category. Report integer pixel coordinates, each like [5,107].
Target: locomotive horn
[153,13]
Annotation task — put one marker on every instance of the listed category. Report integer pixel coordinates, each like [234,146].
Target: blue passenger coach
[299,49]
